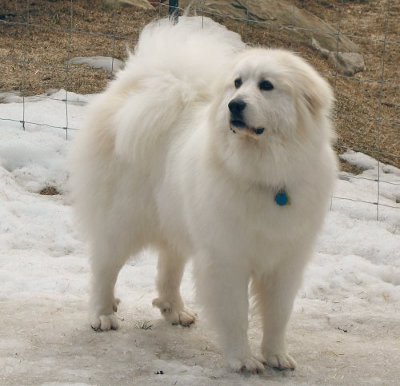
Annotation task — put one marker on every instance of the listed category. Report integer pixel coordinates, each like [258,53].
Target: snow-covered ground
[345,329]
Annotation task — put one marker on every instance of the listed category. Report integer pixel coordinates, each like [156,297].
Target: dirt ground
[61,351]
[39,36]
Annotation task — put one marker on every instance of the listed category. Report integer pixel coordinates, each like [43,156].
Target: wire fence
[22,18]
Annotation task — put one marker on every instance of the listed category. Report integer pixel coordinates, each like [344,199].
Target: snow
[345,326]
[363,161]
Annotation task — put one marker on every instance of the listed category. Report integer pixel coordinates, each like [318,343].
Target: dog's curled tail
[172,66]
[196,49]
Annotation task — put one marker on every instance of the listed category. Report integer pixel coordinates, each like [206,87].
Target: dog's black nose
[236,106]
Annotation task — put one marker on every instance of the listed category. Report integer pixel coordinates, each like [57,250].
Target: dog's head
[274,92]
[273,99]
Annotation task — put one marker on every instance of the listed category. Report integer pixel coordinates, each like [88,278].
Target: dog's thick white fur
[164,162]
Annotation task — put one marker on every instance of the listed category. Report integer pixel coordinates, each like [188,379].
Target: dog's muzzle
[237,107]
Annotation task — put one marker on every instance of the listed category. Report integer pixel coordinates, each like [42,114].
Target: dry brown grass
[49,191]
[367,114]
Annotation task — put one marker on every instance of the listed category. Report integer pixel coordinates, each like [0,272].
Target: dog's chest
[277,215]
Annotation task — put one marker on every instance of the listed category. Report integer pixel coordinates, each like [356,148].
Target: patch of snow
[363,161]
[359,196]
[344,329]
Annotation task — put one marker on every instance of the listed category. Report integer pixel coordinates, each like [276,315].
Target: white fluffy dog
[205,148]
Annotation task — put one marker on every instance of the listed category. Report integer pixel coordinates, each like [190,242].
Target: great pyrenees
[205,148]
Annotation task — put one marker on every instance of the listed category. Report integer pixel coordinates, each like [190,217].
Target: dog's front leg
[222,287]
[275,294]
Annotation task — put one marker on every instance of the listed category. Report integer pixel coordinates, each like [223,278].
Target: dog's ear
[313,100]
[312,89]
[317,93]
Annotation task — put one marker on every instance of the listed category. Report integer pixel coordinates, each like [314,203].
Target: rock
[142,4]
[347,63]
[323,51]
[308,27]
[104,62]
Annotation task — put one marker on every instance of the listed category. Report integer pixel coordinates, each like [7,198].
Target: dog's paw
[280,361]
[245,365]
[104,323]
[184,316]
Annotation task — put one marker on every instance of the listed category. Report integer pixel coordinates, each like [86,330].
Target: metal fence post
[173,10]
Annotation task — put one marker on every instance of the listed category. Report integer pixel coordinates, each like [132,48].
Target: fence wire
[72,29]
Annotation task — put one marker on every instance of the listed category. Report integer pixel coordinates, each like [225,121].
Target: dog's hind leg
[105,266]
[170,271]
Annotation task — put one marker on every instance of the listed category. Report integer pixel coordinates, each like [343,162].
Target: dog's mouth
[238,125]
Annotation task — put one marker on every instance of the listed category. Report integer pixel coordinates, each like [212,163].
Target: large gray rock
[347,63]
[307,27]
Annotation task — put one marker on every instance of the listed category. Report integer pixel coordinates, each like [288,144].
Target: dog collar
[281,198]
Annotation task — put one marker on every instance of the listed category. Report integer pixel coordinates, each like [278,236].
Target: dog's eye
[265,85]
[238,82]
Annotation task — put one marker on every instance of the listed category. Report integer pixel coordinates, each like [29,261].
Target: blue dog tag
[281,198]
